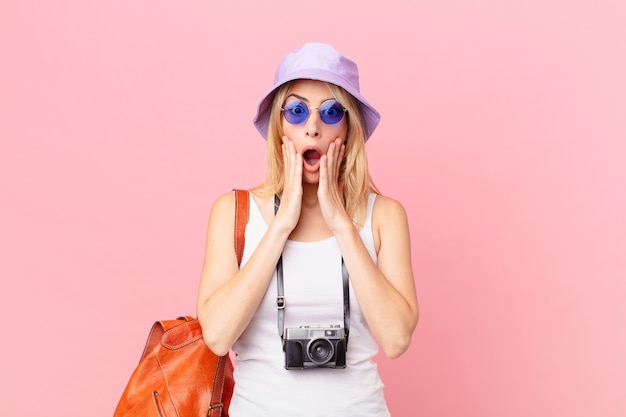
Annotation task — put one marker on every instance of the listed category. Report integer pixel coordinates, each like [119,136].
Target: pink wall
[503,134]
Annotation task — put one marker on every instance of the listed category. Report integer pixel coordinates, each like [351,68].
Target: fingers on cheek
[285,156]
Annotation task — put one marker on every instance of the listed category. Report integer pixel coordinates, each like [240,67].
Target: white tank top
[314,296]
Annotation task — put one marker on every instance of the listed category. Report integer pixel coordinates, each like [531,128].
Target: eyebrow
[296,96]
[306,99]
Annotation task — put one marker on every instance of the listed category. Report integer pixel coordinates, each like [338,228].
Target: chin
[311,177]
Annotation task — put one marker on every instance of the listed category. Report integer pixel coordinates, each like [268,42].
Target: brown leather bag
[178,375]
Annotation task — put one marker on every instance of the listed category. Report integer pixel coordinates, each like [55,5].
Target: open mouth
[311,157]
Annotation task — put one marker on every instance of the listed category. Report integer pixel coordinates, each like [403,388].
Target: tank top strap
[370,209]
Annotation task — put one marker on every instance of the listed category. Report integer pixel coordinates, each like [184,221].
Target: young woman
[318,229]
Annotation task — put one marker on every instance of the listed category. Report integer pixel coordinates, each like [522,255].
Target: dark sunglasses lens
[296,112]
[331,112]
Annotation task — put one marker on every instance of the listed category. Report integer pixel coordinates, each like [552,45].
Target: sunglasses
[297,112]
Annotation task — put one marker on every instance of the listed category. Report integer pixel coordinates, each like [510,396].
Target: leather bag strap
[242,213]
[217,404]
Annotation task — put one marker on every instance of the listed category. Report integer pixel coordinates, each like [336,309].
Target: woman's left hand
[330,190]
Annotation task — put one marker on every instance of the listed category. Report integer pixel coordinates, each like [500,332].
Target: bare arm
[229,297]
[386,290]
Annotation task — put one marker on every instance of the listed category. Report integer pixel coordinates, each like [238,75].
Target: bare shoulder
[387,210]
[389,223]
[221,218]
[223,205]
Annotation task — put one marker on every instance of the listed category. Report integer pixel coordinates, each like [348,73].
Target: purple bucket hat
[317,61]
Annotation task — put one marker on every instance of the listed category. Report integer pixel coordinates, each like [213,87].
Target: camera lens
[320,351]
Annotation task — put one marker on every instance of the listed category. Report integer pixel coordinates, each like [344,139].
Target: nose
[313,124]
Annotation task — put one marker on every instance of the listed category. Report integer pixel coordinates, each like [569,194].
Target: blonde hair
[354,172]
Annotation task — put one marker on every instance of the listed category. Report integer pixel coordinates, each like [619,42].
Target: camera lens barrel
[320,351]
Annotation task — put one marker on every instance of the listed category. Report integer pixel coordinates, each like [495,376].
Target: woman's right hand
[291,199]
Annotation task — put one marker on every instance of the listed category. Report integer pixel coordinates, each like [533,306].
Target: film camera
[315,347]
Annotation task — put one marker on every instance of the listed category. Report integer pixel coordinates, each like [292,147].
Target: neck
[309,195]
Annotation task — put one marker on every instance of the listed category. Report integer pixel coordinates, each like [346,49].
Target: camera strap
[280,297]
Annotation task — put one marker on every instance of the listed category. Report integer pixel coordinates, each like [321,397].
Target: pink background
[503,134]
